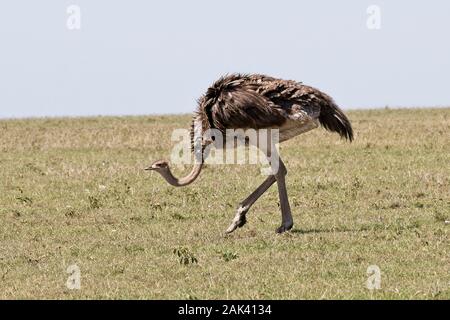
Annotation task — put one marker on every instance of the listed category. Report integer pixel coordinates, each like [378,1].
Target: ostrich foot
[284,227]
[239,220]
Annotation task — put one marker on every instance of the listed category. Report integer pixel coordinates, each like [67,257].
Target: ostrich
[259,102]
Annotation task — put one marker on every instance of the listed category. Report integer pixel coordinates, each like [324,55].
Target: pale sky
[154,57]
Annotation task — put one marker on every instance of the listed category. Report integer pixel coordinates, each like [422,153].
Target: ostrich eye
[161,165]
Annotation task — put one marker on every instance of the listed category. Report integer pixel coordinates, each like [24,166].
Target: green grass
[72,191]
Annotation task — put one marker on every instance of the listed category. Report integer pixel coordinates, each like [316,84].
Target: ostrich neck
[180,182]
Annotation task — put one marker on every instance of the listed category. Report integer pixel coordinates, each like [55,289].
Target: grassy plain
[72,191]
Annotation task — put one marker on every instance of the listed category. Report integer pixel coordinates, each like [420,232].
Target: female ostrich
[260,102]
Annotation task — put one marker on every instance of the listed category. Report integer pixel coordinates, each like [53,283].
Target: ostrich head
[160,165]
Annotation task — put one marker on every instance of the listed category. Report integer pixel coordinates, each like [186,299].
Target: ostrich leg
[239,220]
[286,217]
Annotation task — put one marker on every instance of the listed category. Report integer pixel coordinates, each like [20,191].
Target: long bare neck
[198,162]
[180,182]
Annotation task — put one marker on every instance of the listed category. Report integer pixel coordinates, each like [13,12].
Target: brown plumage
[256,101]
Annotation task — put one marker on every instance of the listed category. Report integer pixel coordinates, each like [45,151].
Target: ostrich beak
[149,168]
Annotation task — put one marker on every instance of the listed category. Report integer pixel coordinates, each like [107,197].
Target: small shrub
[178,216]
[71,213]
[228,256]
[94,203]
[25,200]
[185,256]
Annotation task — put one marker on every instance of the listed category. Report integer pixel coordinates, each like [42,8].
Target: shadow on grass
[328,230]
[374,227]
